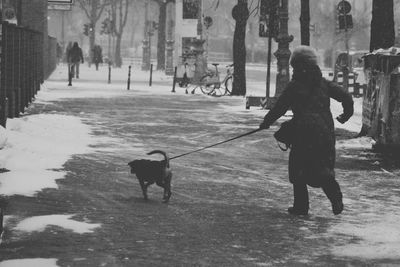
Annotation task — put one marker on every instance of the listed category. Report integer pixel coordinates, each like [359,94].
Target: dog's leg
[167,188]
[164,185]
[144,189]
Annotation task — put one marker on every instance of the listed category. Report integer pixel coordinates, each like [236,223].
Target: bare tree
[119,14]
[93,10]
[223,25]
[240,14]
[162,22]
[382,24]
[136,20]
[305,22]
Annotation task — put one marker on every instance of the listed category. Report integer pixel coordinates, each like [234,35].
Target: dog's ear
[132,165]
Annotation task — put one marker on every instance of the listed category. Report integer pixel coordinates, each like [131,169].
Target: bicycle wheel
[228,85]
[206,84]
[218,91]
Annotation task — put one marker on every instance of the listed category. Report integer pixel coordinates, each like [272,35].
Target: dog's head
[132,164]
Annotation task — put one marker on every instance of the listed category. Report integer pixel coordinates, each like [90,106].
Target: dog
[149,172]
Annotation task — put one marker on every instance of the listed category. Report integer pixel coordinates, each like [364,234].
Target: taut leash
[231,139]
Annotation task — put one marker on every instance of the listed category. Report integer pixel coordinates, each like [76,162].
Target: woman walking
[312,155]
[75,57]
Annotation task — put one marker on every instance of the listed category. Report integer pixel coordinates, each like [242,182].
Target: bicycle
[211,84]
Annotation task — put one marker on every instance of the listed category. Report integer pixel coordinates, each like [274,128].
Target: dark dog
[149,172]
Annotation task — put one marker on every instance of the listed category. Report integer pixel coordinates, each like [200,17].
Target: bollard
[69,75]
[129,78]
[109,72]
[151,75]
[174,80]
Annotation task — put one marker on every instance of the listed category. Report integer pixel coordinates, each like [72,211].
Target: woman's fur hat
[303,56]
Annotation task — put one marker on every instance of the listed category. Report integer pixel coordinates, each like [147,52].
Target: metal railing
[21,68]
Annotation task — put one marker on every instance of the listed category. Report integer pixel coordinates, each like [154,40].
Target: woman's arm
[81,55]
[280,108]
[337,92]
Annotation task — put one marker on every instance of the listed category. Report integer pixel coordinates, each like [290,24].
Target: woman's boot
[332,191]
[300,203]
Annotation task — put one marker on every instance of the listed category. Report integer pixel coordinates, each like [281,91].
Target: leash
[231,139]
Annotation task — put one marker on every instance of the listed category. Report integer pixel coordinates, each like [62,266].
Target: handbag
[285,134]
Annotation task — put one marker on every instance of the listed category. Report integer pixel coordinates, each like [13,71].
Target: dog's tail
[162,153]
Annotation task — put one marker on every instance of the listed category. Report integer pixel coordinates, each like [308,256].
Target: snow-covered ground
[35,147]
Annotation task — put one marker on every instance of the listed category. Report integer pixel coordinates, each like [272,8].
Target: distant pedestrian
[59,52]
[312,155]
[97,56]
[67,49]
[75,57]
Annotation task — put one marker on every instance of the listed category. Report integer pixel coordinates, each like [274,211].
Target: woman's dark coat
[312,155]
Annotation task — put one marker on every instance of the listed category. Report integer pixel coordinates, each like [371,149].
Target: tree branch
[82,5]
[126,12]
[102,7]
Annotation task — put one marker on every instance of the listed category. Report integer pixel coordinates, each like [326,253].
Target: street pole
[346,38]
[129,78]
[109,46]
[146,40]
[150,33]
[270,25]
[169,61]
[3,98]
[62,29]
[109,37]
[283,53]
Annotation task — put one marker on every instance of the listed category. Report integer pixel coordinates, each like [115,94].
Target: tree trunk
[240,14]
[305,22]
[118,59]
[382,25]
[92,34]
[162,17]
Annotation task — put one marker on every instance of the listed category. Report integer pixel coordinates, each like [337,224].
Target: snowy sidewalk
[72,202]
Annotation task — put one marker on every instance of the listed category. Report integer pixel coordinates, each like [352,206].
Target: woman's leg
[77,70]
[332,191]
[300,203]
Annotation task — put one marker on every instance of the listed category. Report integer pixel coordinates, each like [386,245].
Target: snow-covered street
[70,200]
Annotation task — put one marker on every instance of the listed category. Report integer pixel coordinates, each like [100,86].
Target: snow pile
[356,143]
[37,262]
[3,137]
[37,146]
[39,224]
[378,239]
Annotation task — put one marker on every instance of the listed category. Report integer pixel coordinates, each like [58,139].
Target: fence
[21,68]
